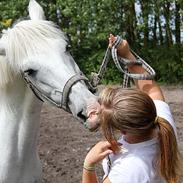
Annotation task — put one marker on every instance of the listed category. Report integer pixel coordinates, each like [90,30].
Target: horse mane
[27,39]
[6,74]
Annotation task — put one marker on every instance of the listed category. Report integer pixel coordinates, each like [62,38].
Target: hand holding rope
[122,64]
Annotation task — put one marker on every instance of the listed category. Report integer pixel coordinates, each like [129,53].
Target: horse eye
[29,72]
[68,47]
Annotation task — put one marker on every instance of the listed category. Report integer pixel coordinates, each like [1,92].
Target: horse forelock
[26,39]
[30,38]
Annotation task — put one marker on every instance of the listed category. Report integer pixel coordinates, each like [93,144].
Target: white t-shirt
[134,164]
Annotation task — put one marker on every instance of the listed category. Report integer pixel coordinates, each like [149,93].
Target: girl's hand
[98,153]
[123,49]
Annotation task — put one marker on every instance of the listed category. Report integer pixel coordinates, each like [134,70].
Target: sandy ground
[64,142]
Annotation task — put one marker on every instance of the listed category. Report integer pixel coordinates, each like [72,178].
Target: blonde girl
[147,151]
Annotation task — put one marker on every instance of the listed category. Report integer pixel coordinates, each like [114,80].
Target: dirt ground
[64,142]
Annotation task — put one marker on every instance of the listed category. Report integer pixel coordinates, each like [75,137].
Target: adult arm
[148,86]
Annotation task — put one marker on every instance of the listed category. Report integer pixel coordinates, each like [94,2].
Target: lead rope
[126,80]
[96,77]
[122,65]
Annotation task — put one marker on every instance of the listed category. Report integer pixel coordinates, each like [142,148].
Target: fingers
[98,152]
[102,146]
[112,38]
[123,49]
[106,153]
[105,149]
[107,144]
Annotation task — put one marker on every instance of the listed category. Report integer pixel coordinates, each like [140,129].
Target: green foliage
[13,9]
[168,62]
[89,22]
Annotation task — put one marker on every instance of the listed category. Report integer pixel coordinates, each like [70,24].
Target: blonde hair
[133,111]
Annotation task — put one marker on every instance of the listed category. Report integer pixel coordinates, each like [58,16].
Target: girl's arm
[94,156]
[148,86]
[89,176]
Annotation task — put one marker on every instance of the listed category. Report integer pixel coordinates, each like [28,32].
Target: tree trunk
[157,5]
[154,30]
[169,40]
[134,22]
[145,15]
[177,22]
[160,31]
[131,22]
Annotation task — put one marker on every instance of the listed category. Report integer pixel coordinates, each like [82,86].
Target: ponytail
[133,111]
[168,158]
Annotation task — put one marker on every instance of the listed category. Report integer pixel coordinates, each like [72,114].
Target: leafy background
[153,28]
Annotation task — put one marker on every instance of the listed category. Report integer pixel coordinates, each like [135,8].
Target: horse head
[39,51]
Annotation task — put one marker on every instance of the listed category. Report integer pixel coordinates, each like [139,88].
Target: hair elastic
[156,120]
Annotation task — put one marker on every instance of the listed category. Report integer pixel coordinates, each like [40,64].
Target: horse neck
[19,121]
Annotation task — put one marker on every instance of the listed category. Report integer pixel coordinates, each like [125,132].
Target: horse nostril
[81,116]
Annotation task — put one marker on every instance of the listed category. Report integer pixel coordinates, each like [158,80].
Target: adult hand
[98,153]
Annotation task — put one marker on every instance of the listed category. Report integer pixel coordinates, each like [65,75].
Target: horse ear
[35,11]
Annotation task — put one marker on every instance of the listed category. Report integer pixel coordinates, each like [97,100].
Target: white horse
[35,50]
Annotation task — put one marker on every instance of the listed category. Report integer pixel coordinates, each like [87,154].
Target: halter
[64,94]
[122,65]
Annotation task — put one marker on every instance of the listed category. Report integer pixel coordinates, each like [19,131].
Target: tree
[130,20]
[89,22]
[177,22]
[167,15]
[145,6]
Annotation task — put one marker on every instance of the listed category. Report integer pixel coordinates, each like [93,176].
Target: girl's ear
[35,11]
